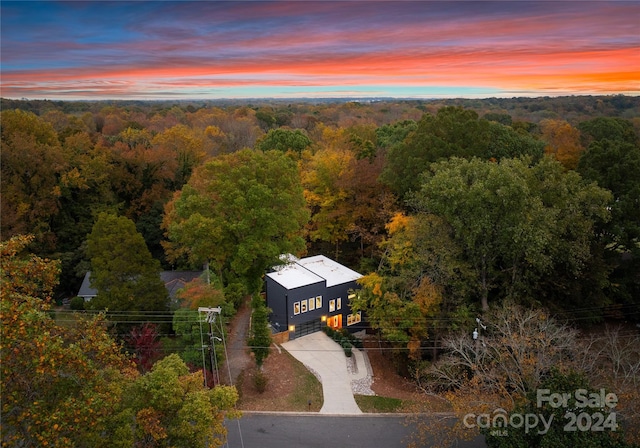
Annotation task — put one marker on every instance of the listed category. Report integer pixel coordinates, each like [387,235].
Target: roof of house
[173,281]
[310,270]
[333,272]
[85,289]
[293,275]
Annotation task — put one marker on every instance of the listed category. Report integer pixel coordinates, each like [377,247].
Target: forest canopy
[534,198]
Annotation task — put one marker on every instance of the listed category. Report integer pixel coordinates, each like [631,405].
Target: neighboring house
[173,281]
[305,294]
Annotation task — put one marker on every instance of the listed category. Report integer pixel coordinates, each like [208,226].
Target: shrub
[77,303]
[329,331]
[260,381]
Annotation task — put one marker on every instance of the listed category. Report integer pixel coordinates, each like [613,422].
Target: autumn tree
[187,149]
[59,384]
[240,211]
[404,298]
[326,197]
[123,272]
[517,351]
[145,344]
[170,407]
[32,168]
[340,180]
[563,142]
[192,330]
[71,385]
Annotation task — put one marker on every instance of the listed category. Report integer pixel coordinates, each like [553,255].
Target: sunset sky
[242,49]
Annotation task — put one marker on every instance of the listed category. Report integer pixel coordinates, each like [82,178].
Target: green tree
[393,134]
[284,140]
[453,132]
[614,165]
[612,159]
[123,272]
[241,211]
[513,223]
[260,340]
[607,128]
[190,326]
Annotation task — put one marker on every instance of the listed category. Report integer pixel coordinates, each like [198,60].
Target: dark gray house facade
[306,294]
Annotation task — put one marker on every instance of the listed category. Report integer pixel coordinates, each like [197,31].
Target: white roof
[310,270]
[333,272]
[293,276]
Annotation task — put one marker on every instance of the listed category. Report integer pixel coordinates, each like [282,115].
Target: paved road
[323,431]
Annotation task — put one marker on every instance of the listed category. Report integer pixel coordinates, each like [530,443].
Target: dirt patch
[290,386]
[386,381]
[238,352]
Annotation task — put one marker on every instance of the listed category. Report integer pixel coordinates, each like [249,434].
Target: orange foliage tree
[563,142]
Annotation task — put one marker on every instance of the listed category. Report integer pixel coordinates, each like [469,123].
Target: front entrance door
[335,322]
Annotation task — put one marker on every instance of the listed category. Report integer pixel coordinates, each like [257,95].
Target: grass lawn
[376,404]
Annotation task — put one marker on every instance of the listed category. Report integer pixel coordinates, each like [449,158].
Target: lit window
[354,318]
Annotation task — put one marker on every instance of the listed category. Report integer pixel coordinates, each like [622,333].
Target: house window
[296,308]
[312,304]
[303,306]
[338,303]
[354,318]
[332,306]
[319,302]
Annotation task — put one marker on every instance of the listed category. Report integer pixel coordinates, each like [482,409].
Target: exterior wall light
[323,318]
[292,328]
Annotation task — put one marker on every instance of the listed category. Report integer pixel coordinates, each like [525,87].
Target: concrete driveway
[326,359]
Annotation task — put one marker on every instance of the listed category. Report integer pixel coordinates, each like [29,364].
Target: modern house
[306,294]
[173,281]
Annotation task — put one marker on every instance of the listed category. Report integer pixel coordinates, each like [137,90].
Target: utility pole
[210,318]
